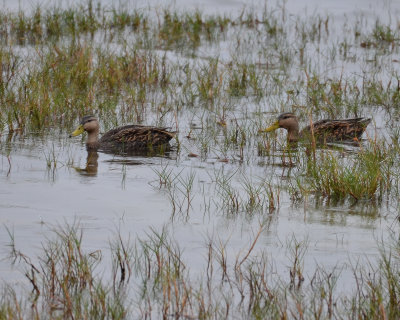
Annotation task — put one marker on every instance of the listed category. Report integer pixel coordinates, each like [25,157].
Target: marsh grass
[66,282]
[381,36]
[235,193]
[365,176]
[67,82]
[71,74]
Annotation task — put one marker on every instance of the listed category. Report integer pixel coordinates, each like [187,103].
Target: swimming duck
[323,130]
[126,138]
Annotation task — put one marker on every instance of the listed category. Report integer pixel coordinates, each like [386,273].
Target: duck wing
[337,130]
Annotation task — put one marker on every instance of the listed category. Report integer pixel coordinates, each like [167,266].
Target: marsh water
[49,179]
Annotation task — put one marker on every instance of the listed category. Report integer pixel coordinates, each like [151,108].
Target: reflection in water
[128,156]
[287,155]
[91,164]
[164,151]
[368,209]
[92,158]
[128,162]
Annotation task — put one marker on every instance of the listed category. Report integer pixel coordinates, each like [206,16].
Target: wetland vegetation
[216,80]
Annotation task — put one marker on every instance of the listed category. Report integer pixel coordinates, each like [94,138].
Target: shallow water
[124,194]
[45,181]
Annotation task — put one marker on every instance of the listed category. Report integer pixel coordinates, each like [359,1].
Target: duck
[125,138]
[323,131]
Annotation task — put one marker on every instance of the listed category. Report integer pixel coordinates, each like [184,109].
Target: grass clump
[384,34]
[364,177]
[64,281]
[185,31]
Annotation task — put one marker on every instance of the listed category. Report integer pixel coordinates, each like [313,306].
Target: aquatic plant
[365,176]
[65,281]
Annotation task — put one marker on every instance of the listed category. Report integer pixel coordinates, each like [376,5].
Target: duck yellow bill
[272,128]
[78,131]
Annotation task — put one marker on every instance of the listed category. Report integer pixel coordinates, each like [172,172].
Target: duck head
[286,121]
[88,124]
[91,126]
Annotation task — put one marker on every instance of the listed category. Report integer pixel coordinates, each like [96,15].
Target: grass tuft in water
[66,281]
[366,176]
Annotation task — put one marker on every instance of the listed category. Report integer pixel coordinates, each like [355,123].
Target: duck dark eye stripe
[287,115]
[86,119]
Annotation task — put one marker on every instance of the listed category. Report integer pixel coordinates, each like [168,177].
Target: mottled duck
[126,138]
[323,131]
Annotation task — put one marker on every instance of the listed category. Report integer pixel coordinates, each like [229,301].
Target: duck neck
[293,133]
[93,139]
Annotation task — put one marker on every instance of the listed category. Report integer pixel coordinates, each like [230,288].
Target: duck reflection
[127,158]
[91,164]
[163,151]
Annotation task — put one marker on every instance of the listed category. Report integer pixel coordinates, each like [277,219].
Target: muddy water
[45,181]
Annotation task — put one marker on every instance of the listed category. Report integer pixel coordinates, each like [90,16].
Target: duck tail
[365,122]
[171,134]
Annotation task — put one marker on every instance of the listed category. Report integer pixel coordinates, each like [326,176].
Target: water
[47,183]
[124,195]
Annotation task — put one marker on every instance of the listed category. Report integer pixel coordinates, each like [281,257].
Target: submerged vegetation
[216,80]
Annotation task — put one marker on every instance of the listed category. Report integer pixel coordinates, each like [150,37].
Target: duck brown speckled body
[323,130]
[126,138]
